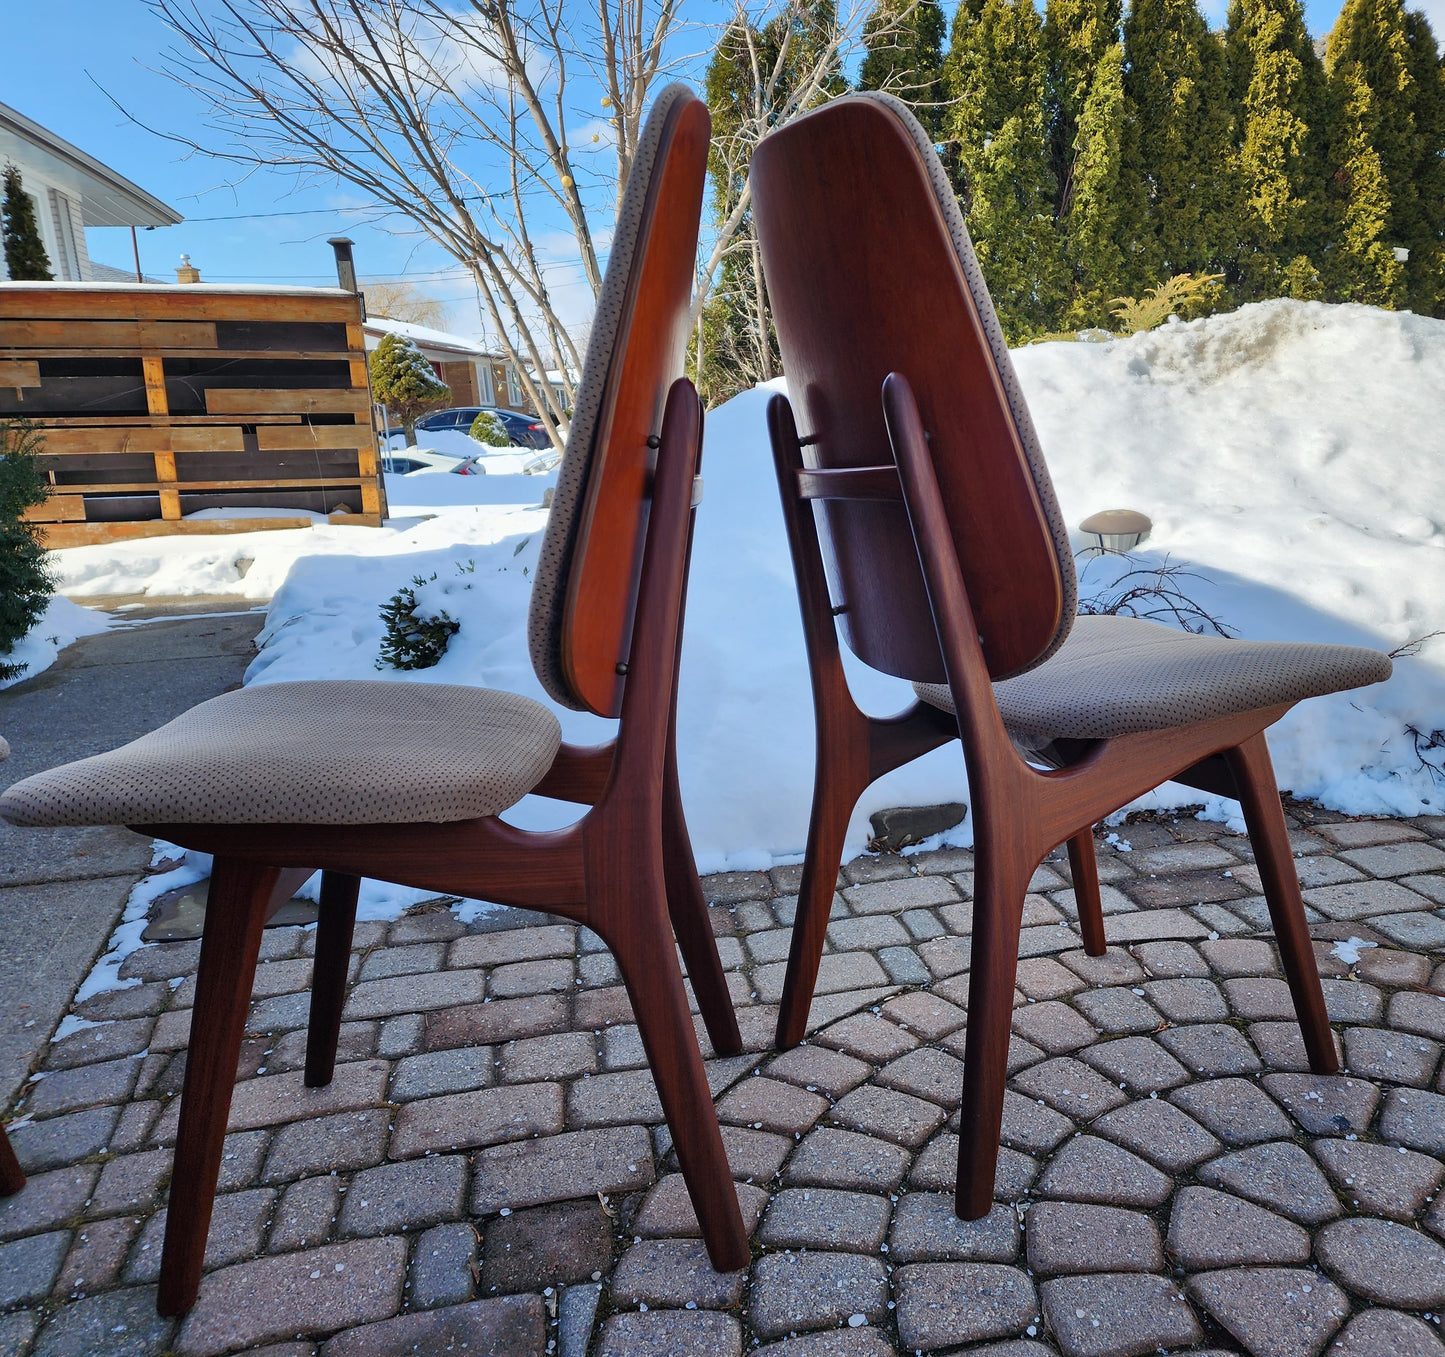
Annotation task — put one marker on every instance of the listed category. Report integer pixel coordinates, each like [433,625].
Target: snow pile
[1288,454]
[60,624]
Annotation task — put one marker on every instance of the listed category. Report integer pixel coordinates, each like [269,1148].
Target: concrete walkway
[61,890]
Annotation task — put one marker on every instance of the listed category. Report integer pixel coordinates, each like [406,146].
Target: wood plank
[261,487]
[69,335]
[287,355]
[248,400]
[57,536]
[157,438]
[18,373]
[289,438]
[176,304]
[59,508]
[120,421]
[158,404]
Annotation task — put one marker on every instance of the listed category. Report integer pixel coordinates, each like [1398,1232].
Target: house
[477,375]
[73,191]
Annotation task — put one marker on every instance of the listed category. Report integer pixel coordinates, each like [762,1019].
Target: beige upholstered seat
[318,753]
[1119,675]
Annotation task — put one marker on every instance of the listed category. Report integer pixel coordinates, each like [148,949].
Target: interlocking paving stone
[405,1196]
[943,1304]
[1235,957]
[564,1055]
[1384,1262]
[305,1214]
[1382,1180]
[510,1324]
[1273,1312]
[755,1156]
[868,1037]
[1324,1104]
[1137,1062]
[511,945]
[667,1210]
[1209,1229]
[29,1266]
[1088,1169]
[936,1169]
[819,1070]
[927,1229]
[575,1164]
[1172,960]
[893,897]
[351,1140]
[312,1292]
[1031,1126]
[1043,978]
[545,1246]
[467,1120]
[1070,1087]
[530,977]
[1410,1118]
[836,971]
[1161,1133]
[663,1333]
[1115,967]
[771,1105]
[85,1086]
[1412,929]
[1282,1048]
[1234,1109]
[822,1218]
[864,1341]
[1187,1000]
[444,1266]
[926,1015]
[846,1159]
[1118,1315]
[1280,1176]
[118,1324]
[47,1144]
[1423,1014]
[946,956]
[1367,833]
[1210,1049]
[436,1072]
[1054,1026]
[132,1181]
[1117,1010]
[1362,899]
[1374,1333]
[236,1229]
[889,1115]
[505,1019]
[797,1291]
[1396,859]
[674,1272]
[1395,1057]
[1067,1237]
[926,1073]
[96,1256]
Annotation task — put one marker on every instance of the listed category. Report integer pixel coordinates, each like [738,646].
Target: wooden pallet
[157,402]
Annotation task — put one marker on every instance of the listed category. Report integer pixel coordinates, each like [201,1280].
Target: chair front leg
[1001,879]
[235,914]
[12,1176]
[1084,869]
[1264,818]
[335,925]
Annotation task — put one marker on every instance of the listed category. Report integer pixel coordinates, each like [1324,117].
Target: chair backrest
[870,271]
[585,591]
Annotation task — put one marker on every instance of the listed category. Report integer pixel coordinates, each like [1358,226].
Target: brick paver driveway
[488,1172]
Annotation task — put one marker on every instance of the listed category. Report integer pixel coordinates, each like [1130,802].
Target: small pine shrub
[404,382]
[26,578]
[487,428]
[413,640]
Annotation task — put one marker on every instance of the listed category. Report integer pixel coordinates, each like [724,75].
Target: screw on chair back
[585,594]
[869,244]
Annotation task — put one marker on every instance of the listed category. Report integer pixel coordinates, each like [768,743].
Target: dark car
[524,431]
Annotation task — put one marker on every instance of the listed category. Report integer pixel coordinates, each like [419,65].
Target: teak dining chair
[948,564]
[405,781]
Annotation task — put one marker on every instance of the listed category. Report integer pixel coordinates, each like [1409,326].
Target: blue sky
[62,58]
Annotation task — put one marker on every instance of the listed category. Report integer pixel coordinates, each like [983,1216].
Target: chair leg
[1084,868]
[1001,880]
[235,915]
[691,923]
[1264,817]
[654,984]
[335,924]
[12,1176]
[833,802]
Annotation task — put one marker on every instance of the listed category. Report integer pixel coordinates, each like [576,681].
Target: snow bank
[1289,454]
[61,623]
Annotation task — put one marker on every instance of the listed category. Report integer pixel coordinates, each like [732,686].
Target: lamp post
[1116,529]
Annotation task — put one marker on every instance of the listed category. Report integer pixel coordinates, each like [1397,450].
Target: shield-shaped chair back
[870,270]
[585,592]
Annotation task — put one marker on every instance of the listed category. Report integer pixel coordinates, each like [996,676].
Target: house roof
[424,338]
[106,198]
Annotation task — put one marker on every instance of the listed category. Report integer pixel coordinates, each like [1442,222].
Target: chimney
[187,274]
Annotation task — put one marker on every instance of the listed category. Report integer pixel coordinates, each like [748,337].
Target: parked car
[525,431]
[420,459]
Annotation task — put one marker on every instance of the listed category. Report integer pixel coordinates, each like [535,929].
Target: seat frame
[1021,812]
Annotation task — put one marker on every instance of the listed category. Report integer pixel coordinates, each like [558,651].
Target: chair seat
[1120,675]
[322,753]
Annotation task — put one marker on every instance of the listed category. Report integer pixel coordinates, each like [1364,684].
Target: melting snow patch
[1349,950]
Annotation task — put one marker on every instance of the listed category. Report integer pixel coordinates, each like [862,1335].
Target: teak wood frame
[1021,812]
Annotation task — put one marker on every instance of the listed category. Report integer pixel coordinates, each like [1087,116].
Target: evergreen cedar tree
[26,581]
[1097,153]
[404,382]
[25,255]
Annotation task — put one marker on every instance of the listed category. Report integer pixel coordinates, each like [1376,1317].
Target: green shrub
[26,578]
[414,641]
[487,428]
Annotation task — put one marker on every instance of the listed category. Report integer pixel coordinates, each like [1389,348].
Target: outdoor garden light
[1117,529]
[1402,255]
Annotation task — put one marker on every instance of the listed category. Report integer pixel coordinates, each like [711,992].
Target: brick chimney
[186,273]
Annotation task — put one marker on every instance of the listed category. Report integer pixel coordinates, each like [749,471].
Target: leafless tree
[404,301]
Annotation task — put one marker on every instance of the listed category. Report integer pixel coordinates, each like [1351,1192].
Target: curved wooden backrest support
[864,280]
[601,590]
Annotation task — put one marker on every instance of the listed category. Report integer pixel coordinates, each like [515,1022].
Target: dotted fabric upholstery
[316,753]
[1119,675]
[1008,378]
[549,587]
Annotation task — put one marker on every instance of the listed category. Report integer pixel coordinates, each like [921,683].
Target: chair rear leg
[654,984]
[335,925]
[12,1176]
[691,923]
[235,915]
[1264,818]
[1000,882]
[1084,868]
